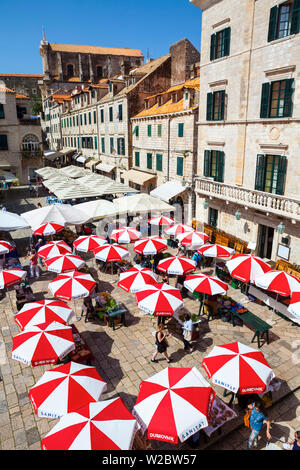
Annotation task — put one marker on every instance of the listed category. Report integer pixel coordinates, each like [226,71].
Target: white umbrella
[10,221]
[97,209]
[64,214]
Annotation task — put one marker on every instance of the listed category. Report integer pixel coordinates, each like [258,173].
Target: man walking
[257,419]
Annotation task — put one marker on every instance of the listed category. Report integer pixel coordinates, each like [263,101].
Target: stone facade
[242,134]
[24,84]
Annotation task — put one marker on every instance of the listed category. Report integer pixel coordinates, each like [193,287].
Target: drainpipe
[168,173]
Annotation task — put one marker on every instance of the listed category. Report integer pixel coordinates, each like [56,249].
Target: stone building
[24,84]
[20,136]
[248,181]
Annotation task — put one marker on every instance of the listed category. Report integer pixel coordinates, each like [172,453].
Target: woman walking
[161,343]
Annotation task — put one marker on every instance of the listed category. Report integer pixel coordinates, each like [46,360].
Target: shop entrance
[265,241]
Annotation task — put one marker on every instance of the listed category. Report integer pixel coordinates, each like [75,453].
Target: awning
[7,176]
[168,190]
[90,163]
[138,177]
[76,154]
[105,168]
[82,158]
[52,155]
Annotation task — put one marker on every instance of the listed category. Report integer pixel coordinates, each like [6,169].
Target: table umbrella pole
[271,321]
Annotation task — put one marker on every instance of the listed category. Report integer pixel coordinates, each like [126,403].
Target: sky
[149,25]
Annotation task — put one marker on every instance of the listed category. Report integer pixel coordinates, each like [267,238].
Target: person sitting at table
[87,230]
[87,308]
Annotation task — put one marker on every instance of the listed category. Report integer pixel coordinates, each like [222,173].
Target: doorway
[265,241]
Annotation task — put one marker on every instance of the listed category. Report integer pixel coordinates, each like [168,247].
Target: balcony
[280,206]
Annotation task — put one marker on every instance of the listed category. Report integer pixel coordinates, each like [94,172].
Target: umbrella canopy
[150,246]
[87,243]
[104,425]
[178,265]
[178,229]
[139,203]
[162,221]
[63,214]
[97,209]
[279,282]
[294,306]
[205,284]
[193,239]
[125,235]
[72,285]
[174,404]
[216,251]
[10,221]
[135,278]
[159,299]
[64,263]
[43,311]
[237,367]
[65,389]
[48,228]
[246,268]
[45,343]
[110,253]
[54,248]
[5,247]
[10,277]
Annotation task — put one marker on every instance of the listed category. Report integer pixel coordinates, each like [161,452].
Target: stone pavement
[122,358]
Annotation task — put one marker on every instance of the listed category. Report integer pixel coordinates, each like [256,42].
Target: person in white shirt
[187,332]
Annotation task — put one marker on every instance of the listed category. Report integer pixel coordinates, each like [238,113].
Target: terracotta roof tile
[5,89]
[96,50]
[21,75]
[22,97]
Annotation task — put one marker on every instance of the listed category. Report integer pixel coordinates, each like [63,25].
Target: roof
[168,190]
[96,50]
[21,75]
[22,97]
[6,90]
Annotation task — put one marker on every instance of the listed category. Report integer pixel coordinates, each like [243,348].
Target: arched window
[30,142]
[99,71]
[70,70]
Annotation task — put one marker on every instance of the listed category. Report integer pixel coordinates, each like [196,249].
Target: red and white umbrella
[10,277]
[178,265]
[104,425]
[125,235]
[150,246]
[45,343]
[178,229]
[159,299]
[72,285]
[135,278]
[54,248]
[294,307]
[193,239]
[43,311]
[111,253]
[237,367]
[5,247]
[209,285]
[279,282]
[87,243]
[48,228]
[216,251]
[63,263]
[162,221]
[174,404]
[246,268]
[65,389]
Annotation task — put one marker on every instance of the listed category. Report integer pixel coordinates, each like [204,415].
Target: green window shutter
[136,131]
[149,130]
[102,144]
[222,105]
[282,165]
[227,35]
[220,167]
[159,130]
[265,100]
[3,142]
[78,143]
[85,119]
[273,23]
[137,158]
[288,97]
[96,143]
[179,171]
[149,161]
[90,118]
[111,144]
[261,164]
[110,114]
[73,121]
[120,114]
[209,107]
[77,120]
[295,22]
[212,46]
[102,115]
[81,119]
[95,117]
[158,162]
[207,163]
[180,129]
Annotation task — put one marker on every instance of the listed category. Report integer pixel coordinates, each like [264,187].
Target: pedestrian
[187,332]
[36,190]
[37,246]
[161,343]
[295,444]
[2,208]
[197,258]
[33,264]
[180,251]
[256,421]
[39,205]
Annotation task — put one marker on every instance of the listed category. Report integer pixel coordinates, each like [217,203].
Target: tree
[37,108]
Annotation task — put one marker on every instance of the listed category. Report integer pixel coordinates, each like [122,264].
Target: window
[111,140]
[158,130]
[90,118]
[95,116]
[110,87]
[179,170]
[120,113]
[81,119]
[136,131]
[99,71]
[158,162]
[111,114]
[180,129]
[30,142]
[215,110]
[149,161]
[2,115]
[73,121]
[220,44]
[33,91]
[149,130]
[102,115]
[277,99]
[77,120]
[121,146]
[186,96]
[137,158]
[214,165]
[103,144]
[93,93]
[284,20]
[270,173]
[96,143]
[212,217]
[78,142]
[70,70]
[85,119]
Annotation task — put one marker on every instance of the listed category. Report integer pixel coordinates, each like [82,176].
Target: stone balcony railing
[273,203]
